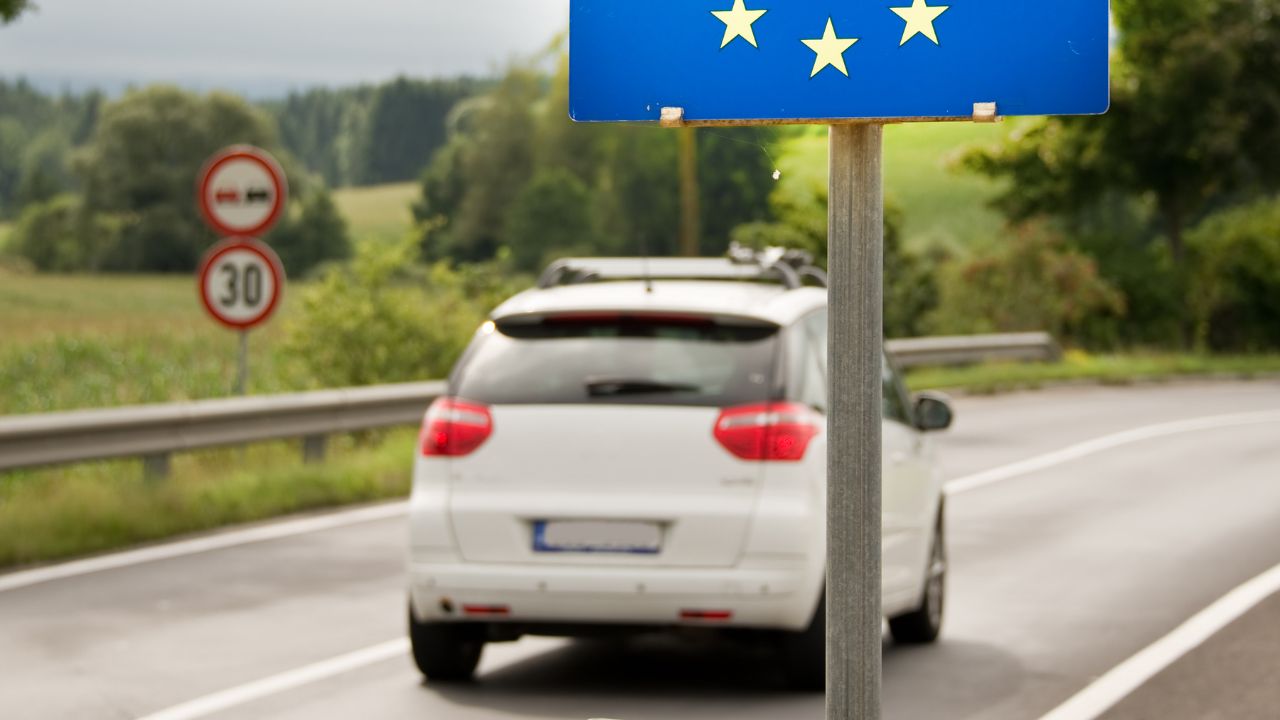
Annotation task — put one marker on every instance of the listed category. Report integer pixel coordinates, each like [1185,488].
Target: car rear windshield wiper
[603,387]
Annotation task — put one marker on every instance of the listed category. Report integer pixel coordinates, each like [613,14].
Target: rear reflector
[486,610]
[706,615]
[453,428]
[778,431]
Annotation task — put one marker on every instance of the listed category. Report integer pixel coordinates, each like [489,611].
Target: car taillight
[768,431]
[453,428]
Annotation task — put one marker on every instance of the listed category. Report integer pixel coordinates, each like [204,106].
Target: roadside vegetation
[1081,367]
[47,515]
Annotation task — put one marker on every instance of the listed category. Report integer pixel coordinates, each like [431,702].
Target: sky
[265,48]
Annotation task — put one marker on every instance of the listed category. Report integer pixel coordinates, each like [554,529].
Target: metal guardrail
[155,432]
[971,349]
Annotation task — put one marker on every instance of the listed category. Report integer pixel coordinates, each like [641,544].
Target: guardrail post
[156,467]
[313,448]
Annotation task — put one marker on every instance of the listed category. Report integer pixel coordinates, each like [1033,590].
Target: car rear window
[622,359]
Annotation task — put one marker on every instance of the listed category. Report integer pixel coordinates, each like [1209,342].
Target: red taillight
[707,615]
[453,428]
[768,431]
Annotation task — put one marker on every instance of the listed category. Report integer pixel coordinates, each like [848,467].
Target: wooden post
[689,206]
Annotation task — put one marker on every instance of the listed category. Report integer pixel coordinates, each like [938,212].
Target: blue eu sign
[797,60]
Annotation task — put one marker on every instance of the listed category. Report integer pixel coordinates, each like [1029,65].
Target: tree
[520,134]
[11,9]
[1194,121]
[142,162]
[317,235]
[551,215]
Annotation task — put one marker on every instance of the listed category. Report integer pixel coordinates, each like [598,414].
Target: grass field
[377,213]
[5,229]
[73,341]
[940,205]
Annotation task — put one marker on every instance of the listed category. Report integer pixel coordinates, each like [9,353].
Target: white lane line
[1103,693]
[1107,442]
[241,694]
[325,669]
[228,539]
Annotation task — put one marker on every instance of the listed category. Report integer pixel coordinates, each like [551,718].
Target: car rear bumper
[765,597]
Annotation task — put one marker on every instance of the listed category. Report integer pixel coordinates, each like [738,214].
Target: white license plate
[596,536]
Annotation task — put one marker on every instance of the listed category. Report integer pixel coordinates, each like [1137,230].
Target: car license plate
[596,536]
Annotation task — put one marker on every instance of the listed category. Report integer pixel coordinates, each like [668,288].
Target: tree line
[96,184]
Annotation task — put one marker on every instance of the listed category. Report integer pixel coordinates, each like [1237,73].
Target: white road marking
[1106,442]
[1129,675]
[180,548]
[399,648]
[241,694]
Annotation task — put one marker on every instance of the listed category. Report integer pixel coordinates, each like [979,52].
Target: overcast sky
[266,47]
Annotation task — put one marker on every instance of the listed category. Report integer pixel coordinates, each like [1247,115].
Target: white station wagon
[639,445]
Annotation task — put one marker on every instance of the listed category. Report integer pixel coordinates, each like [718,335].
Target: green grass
[5,229]
[69,342]
[1081,367]
[52,514]
[380,212]
[940,205]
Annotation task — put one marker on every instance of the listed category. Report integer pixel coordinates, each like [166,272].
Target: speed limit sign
[240,283]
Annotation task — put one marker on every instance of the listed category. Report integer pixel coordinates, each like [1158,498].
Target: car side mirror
[933,412]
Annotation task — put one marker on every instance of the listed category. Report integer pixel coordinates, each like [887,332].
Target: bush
[61,236]
[317,234]
[1031,282]
[1235,284]
[382,318]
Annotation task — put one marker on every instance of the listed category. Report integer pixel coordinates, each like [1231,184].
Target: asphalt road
[1057,576]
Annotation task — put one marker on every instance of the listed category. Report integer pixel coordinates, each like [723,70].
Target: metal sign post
[855,252]
[242,364]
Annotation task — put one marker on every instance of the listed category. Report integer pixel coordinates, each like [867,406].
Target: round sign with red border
[242,191]
[240,282]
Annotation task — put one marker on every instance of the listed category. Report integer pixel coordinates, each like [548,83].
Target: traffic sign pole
[242,364]
[855,262]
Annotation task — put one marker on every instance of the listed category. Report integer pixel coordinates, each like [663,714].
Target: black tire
[445,652]
[804,653]
[923,625]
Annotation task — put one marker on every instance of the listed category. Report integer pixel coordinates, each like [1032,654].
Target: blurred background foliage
[420,204]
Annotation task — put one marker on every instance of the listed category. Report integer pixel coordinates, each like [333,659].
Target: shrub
[383,318]
[1235,283]
[1032,282]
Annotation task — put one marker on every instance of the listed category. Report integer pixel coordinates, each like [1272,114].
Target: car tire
[804,653]
[924,624]
[445,652]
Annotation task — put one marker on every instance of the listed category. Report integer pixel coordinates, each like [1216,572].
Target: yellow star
[920,19]
[737,23]
[830,50]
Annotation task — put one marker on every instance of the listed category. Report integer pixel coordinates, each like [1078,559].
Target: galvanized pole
[855,267]
[242,364]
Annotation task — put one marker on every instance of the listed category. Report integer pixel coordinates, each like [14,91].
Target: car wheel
[804,653]
[445,652]
[923,624]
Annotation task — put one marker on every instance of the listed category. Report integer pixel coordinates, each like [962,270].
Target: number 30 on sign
[240,283]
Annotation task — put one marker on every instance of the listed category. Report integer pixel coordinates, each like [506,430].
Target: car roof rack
[788,266]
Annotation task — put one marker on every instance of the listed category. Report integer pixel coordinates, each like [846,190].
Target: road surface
[1061,570]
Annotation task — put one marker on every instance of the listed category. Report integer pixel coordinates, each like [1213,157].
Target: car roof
[769,302]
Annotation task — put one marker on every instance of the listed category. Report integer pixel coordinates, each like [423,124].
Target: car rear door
[602,447]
